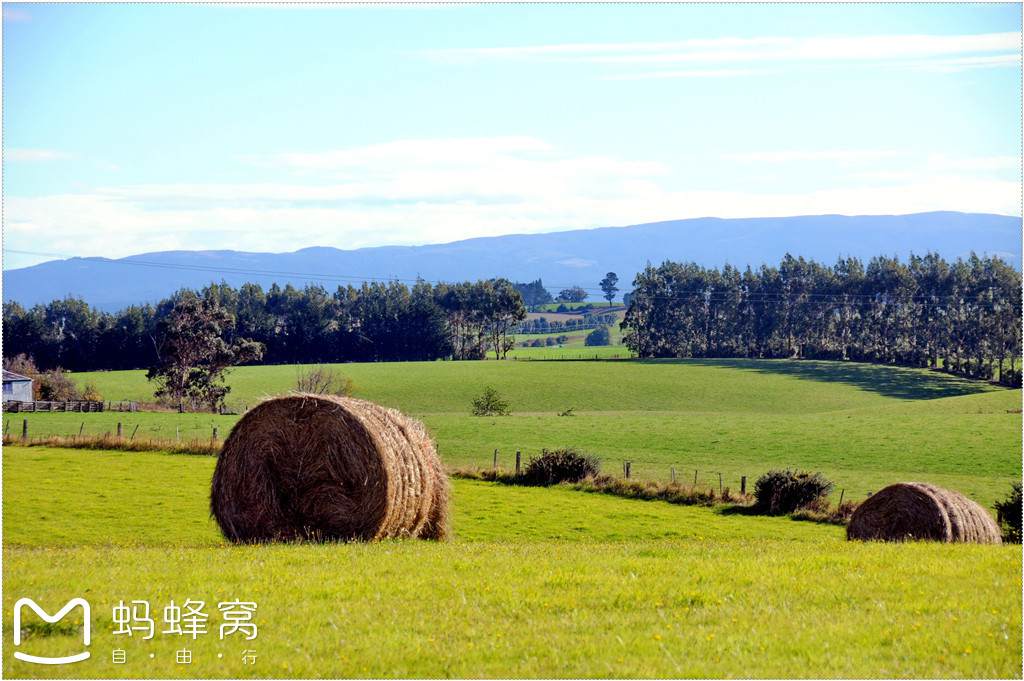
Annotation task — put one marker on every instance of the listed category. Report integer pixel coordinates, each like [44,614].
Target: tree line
[962,316]
[378,321]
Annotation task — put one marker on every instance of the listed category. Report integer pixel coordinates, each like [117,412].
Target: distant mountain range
[561,259]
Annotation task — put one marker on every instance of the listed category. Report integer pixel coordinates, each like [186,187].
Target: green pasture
[731,385]
[537,583]
[126,497]
[864,426]
[600,306]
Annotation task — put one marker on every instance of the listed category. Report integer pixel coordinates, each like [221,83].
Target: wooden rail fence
[14,406]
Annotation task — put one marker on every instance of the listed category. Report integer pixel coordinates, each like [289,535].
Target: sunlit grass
[655,608]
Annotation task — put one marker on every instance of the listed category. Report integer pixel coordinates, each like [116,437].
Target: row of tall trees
[963,316]
[379,321]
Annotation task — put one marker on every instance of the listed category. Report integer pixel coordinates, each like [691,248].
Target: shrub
[549,341]
[92,393]
[1009,510]
[490,403]
[561,465]
[598,336]
[562,339]
[786,491]
[57,386]
[322,380]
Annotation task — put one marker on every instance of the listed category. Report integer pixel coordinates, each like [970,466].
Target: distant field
[598,307]
[863,426]
[538,583]
[573,348]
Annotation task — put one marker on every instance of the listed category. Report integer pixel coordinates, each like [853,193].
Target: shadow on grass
[740,509]
[891,381]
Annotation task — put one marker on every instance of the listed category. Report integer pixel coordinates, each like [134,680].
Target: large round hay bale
[917,510]
[328,468]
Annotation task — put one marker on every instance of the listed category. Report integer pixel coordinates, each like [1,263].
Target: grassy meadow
[546,582]
[537,583]
[864,426]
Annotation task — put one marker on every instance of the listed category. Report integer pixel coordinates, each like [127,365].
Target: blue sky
[138,128]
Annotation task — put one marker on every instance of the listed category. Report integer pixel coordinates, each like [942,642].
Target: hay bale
[918,510]
[328,468]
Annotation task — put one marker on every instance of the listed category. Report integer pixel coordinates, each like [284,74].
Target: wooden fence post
[743,485]
[841,496]
[495,459]
[215,433]
[24,430]
[719,484]
[81,428]
[628,465]
[134,431]
[518,458]
[672,473]
[118,430]
[695,478]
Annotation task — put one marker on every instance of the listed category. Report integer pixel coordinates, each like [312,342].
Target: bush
[490,403]
[92,393]
[786,491]
[599,336]
[57,386]
[322,380]
[561,465]
[1009,511]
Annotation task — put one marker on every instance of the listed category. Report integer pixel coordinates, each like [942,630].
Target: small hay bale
[322,467]
[917,510]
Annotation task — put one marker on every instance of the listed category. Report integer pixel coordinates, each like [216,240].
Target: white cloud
[115,225]
[34,155]
[964,63]
[577,262]
[395,194]
[943,161]
[843,156]
[732,49]
[702,73]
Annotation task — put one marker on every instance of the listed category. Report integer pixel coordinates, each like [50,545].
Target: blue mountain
[561,259]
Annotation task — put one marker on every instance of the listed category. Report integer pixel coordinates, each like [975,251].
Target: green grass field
[537,583]
[864,426]
[548,582]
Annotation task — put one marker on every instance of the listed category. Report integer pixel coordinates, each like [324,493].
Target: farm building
[17,387]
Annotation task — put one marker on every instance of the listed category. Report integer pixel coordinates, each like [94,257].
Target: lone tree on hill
[608,285]
[573,294]
[194,356]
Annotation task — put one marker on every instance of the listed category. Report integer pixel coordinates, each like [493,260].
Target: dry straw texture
[917,510]
[328,468]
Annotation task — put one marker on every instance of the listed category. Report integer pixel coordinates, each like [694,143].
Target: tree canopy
[962,316]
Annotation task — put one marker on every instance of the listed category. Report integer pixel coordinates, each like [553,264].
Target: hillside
[561,259]
[863,425]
